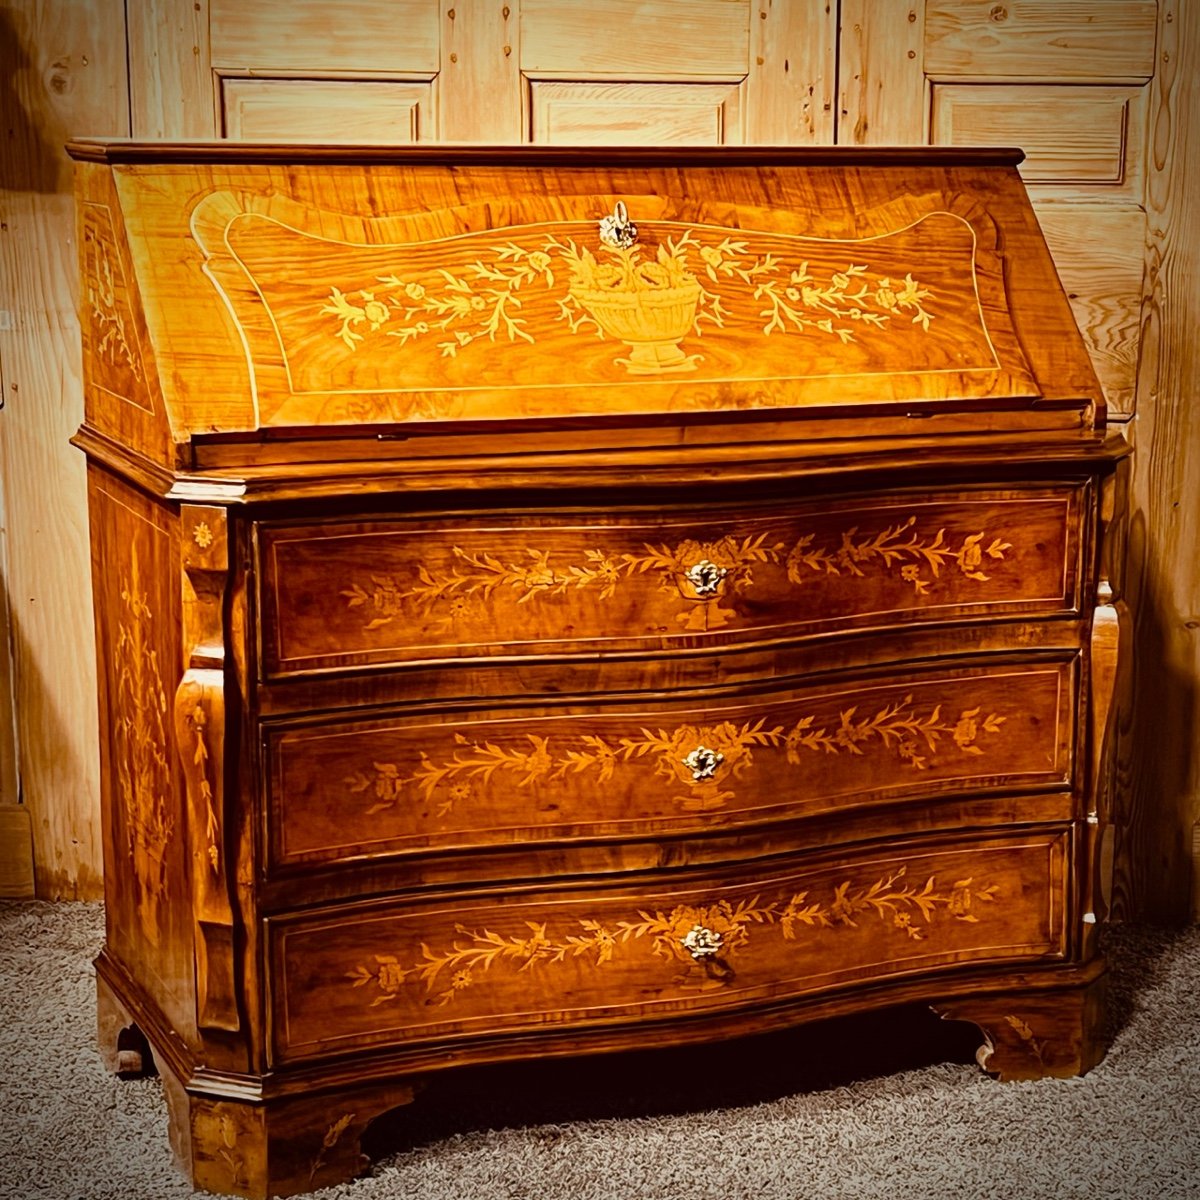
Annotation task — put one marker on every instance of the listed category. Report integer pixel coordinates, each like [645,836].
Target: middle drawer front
[397,973]
[338,595]
[354,789]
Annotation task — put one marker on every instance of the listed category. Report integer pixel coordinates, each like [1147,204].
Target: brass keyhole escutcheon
[701,942]
[703,763]
[617,230]
[705,577]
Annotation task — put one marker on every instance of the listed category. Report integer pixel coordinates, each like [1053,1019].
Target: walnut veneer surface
[520,636]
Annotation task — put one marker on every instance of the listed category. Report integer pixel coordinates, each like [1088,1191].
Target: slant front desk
[559,601]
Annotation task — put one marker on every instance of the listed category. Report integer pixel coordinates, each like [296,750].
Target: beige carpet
[862,1109]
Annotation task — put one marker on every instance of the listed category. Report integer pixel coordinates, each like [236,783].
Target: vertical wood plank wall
[1159,755]
[1114,159]
[62,71]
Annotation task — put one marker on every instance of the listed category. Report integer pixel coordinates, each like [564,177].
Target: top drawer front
[389,592]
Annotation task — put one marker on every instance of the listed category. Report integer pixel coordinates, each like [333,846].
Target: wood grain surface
[1054,38]
[550,584]
[171,91]
[64,72]
[309,299]
[391,973]
[665,768]
[170,88]
[1157,759]
[135,553]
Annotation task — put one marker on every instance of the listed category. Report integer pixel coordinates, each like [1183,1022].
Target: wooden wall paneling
[170,82]
[16,853]
[598,74]
[292,36]
[1158,756]
[635,39]
[1078,138]
[16,845]
[326,110]
[789,90]
[9,790]
[480,92]
[63,72]
[1099,253]
[1047,39]
[668,114]
[881,82]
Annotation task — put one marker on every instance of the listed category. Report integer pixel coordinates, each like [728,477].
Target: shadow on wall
[1156,755]
[53,85]
[31,157]
[9,791]
[79,823]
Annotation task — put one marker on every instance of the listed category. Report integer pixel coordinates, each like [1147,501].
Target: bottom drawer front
[404,974]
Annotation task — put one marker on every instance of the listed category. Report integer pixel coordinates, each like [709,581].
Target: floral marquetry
[708,935]
[408,970]
[700,302]
[538,585]
[555,601]
[651,301]
[141,747]
[407,783]
[704,759]
[714,567]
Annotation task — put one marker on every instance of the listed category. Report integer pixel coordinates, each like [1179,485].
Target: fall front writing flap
[414,288]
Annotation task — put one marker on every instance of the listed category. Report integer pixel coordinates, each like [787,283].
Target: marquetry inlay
[703,939]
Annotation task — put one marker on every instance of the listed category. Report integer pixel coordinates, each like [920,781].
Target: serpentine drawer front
[409,784]
[343,594]
[398,973]
[553,602]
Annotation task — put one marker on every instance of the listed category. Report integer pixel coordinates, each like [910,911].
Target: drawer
[337,595]
[412,784]
[403,974]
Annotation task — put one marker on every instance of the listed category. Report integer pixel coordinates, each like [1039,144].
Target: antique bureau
[560,601]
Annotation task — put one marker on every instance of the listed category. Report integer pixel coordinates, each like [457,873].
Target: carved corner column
[200,726]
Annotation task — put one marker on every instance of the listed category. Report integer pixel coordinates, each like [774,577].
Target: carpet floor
[862,1108]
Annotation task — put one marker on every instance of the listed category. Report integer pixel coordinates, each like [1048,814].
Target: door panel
[636,38]
[313,35]
[620,113]
[325,110]
[1075,137]
[1099,253]
[1059,39]
[720,71]
[1062,79]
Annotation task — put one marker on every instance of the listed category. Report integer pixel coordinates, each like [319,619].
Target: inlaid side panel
[135,571]
[122,395]
[390,974]
[337,595]
[350,789]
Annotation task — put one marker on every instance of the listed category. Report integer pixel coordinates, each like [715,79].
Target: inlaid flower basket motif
[382,319]
[648,297]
